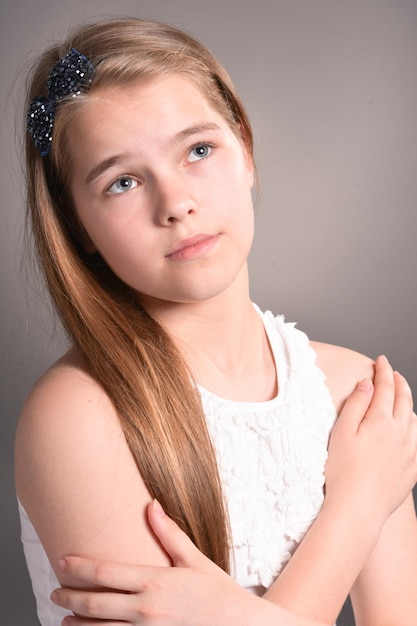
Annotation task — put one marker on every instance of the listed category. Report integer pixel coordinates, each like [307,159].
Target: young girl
[177,387]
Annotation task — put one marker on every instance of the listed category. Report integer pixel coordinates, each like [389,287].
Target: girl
[177,387]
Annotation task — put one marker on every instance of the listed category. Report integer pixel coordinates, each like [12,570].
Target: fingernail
[158,508]
[365,384]
[54,596]
[62,565]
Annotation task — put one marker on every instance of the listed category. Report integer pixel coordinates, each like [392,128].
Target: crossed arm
[196,592]
[363,523]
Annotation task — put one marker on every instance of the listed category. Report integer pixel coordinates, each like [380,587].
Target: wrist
[321,573]
[351,517]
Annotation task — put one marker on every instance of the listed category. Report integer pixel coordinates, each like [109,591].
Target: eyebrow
[194,130]
[116,159]
[105,165]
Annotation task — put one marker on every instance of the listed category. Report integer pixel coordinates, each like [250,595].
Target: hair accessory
[71,75]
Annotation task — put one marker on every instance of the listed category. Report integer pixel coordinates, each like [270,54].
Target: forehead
[150,105]
[144,118]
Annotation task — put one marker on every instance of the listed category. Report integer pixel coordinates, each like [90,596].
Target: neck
[224,343]
[216,323]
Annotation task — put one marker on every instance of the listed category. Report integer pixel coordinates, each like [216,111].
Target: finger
[403,402]
[97,605]
[178,545]
[356,406]
[72,620]
[384,395]
[109,574]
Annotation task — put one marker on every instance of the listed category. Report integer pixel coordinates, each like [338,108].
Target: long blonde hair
[129,354]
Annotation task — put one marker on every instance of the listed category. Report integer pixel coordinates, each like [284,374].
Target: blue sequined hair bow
[71,75]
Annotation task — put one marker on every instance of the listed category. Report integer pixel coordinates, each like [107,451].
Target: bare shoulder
[75,474]
[67,376]
[65,405]
[343,369]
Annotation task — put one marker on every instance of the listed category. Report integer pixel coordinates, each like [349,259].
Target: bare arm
[385,592]
[348,530]
[194,592]
[75,475]
[92,525]
[313,584]
[78,482]
[326,563]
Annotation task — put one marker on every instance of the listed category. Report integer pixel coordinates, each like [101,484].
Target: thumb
[356,406]
[178,545]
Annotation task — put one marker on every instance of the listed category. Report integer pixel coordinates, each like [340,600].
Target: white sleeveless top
[271,458]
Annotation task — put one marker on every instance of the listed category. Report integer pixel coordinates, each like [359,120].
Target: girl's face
[162,187]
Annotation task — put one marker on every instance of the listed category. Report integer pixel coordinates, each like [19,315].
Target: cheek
[103,238]
[236,180]
[119,243]
[250,228]
[103,229]
[241,221]
[131,263]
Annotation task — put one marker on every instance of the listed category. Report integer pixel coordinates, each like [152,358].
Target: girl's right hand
[195,592]
[373,447]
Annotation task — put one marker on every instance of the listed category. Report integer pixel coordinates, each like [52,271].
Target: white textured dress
[271,458]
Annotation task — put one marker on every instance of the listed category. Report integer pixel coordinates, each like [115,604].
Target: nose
[174,199]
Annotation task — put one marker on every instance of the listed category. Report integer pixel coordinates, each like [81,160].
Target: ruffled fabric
[271,458]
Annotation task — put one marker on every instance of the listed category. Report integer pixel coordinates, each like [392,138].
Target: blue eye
[201,151]
[122,184]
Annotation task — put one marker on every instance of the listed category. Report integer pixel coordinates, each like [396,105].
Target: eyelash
[129,178]
[201,144]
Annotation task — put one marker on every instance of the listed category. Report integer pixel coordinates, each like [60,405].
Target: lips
[193,247]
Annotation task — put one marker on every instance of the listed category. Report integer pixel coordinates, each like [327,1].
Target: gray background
[331,87]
